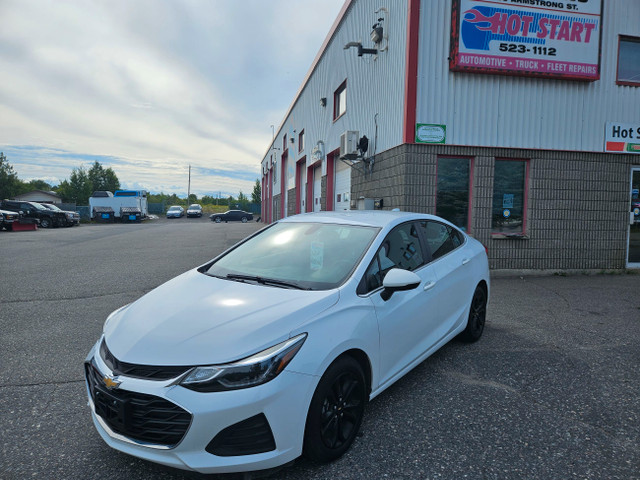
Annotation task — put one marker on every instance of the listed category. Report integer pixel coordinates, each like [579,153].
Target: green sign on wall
[431,133]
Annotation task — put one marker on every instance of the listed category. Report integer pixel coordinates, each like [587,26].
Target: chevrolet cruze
[274,347]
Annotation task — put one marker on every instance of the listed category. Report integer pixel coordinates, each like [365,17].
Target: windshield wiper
[264,281]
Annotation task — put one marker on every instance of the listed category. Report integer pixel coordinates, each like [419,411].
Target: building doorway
[342,190]
[633,251]
[317,188]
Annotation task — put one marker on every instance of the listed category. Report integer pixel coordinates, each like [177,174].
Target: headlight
[254,370]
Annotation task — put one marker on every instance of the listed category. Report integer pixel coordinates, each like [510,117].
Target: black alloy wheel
[336,411]
[477,316]
[45,222]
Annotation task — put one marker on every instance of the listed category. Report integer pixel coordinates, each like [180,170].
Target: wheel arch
[363,360]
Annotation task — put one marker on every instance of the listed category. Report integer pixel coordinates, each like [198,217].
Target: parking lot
[551,391]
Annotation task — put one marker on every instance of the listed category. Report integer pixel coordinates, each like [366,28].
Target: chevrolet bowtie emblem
[110,382]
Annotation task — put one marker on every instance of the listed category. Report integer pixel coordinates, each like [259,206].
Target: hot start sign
[557,39]
[622,137]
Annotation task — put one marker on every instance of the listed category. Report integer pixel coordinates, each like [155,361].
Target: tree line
[83,182]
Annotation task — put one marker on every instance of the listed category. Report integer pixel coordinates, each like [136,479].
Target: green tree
[256,195]
[39,185]
[10,184]
[242,200]
[78,188]
[103,178]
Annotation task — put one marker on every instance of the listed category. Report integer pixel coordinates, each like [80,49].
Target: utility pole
[189,187]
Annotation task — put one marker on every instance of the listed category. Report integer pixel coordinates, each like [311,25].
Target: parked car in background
[194,210]
[7,218]
[274,348]
[73,218]
[48,218]
[231,216]
[175,211]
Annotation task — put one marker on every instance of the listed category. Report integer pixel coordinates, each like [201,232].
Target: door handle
[465,261]
[429,285]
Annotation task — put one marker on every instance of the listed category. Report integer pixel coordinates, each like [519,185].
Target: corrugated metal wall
[519,112]
[373,87]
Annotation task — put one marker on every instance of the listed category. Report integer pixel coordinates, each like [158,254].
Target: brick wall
[577,213]
[291,202]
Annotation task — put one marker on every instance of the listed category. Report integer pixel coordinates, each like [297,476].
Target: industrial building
[518,121]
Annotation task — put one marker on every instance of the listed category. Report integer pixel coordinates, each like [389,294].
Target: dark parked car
[231,216]
[48,218]
[7,218]
[73,218]
[194,210]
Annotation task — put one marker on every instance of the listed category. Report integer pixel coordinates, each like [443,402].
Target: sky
[149,87]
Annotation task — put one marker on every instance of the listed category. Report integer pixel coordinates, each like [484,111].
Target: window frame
[525,200]
[629,39]
[336,101]
[301,141]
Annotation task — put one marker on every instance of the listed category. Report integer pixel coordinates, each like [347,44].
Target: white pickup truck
[124,205]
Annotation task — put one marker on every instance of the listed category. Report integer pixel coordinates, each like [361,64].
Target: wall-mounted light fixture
[377,31]
[361,49]
[323,102]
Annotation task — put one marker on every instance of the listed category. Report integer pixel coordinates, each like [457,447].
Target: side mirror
[397,280]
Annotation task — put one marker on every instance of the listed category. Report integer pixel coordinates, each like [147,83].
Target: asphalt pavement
[551,391]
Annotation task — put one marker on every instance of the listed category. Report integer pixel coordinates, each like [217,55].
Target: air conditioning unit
[349,144]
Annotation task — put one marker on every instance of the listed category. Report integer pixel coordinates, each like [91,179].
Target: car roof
[370,218]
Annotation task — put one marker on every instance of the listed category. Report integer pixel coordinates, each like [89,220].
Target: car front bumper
[283,401]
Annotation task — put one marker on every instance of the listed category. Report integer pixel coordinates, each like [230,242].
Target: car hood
[196,319]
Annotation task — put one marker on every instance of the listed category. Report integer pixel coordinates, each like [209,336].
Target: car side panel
[351,326]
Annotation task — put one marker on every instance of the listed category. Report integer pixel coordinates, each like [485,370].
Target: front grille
[147,372]
[141,417]
[248,437]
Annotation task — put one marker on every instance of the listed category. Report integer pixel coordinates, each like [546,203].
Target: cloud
[150,87]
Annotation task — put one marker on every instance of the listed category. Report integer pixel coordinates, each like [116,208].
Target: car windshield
[38,206]
[174,209]
[194,207]
[311,256]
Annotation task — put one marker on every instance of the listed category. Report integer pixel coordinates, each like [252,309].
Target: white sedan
[274,347]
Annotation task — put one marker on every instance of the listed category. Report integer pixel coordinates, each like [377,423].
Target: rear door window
[441,239]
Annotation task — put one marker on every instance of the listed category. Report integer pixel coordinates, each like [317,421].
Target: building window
[509,197]
[453,190]
[340,101]
[284,143]
[628,61]
[301,141]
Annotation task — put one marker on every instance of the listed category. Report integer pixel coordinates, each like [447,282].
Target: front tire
[244,219]
[45,223]
[477,316]
[217,220]
[336,411]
